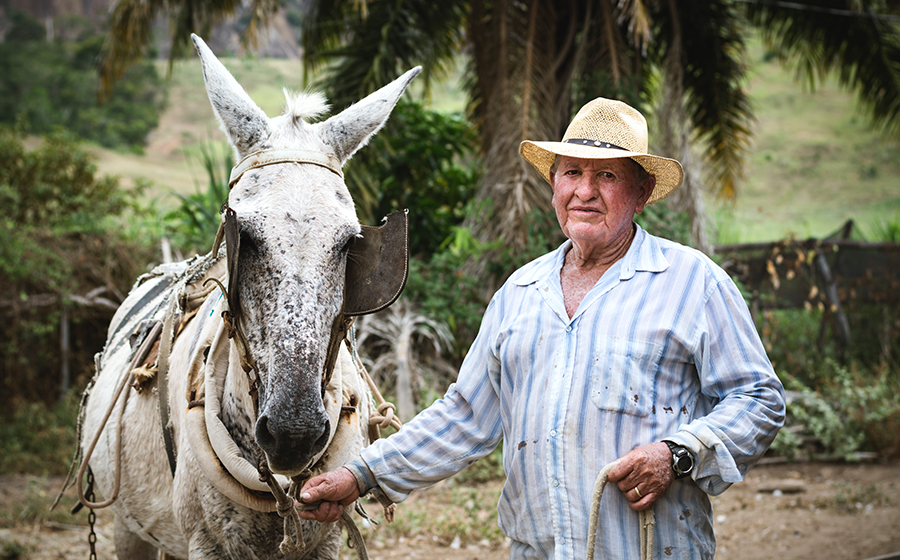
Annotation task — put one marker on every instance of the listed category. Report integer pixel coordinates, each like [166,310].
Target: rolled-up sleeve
[738,378]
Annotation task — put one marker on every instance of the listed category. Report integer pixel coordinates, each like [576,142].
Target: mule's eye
[347,242]
[248,242]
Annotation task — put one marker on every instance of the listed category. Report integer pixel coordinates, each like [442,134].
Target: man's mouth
[586,210]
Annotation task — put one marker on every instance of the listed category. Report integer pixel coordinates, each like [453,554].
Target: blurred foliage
[422,161]
[196,220]
[465,513]
[67,237]
[441,289]
[885,230]
[800,341]
[48,85]
[38,438]
[840,411]
[660,220]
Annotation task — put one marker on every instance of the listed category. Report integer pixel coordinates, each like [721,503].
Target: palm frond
[397,337]
[851,38]
[714,71]
[131,29]
[368,49]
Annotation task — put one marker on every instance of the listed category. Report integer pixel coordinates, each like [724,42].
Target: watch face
[684,463]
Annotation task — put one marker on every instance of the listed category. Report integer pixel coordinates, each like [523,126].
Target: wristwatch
[682,460]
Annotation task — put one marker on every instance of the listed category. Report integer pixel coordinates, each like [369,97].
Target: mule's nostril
[322,440]
[265,438]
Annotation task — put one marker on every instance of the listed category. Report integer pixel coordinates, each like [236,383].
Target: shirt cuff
[365,480]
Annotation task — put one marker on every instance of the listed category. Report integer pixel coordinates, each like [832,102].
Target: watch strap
[678,451]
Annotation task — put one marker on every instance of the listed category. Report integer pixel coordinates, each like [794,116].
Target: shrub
[421,161]
[39,438]
[51,85]
[196,220]
[848,410]
[71,243]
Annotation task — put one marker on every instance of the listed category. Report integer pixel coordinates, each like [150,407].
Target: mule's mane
[305,105]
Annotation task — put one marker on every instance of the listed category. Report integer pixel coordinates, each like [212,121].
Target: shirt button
[556,483]
[569,328]
[562,540]
[553,433]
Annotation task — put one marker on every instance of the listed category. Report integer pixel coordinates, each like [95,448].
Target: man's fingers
[326,512]
[622,469]
[335,486]
[644,503]
[328,493]
[315,489]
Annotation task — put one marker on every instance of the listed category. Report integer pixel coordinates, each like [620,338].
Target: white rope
[646,521]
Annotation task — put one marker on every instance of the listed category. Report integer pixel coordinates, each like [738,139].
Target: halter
[284,155]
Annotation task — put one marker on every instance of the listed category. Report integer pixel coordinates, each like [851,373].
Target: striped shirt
[662,347]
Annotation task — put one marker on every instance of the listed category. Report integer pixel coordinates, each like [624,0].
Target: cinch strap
[268,157]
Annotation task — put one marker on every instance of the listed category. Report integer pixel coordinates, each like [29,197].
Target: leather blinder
[377,265]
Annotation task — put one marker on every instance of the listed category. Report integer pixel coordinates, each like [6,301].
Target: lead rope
[385,416]
[646,521]
[139,356]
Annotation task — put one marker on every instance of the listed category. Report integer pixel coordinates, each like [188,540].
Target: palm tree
[532,62]
[395,337]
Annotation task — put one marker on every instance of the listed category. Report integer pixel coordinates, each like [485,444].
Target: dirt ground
[803,510]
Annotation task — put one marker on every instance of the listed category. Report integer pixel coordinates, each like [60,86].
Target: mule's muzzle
[291,445]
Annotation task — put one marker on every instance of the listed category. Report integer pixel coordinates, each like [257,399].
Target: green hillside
[816,160]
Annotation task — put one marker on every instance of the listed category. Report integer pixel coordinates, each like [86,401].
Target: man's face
[596,199]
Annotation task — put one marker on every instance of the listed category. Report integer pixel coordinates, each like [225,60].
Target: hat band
[593,143]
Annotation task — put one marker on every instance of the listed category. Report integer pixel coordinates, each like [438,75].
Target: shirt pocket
[623,376]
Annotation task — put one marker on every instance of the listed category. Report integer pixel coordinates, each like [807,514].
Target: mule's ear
[351,129]
[241,119]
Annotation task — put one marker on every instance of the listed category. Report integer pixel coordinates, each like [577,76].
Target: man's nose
[586,189]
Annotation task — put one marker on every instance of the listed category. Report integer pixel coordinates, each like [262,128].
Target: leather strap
[268,157]
[162,381]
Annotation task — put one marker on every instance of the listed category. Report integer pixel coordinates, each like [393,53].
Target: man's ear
[644,196]
[552,178]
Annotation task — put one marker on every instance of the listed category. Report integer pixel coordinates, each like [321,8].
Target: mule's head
[295,220]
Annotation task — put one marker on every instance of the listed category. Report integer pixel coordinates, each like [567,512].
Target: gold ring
[638,492]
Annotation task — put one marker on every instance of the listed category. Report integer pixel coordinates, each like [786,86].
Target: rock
[787,486]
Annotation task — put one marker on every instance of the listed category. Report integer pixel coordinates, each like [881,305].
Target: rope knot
[285,508]
[385,416]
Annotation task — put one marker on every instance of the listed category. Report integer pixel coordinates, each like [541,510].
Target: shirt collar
[645,254]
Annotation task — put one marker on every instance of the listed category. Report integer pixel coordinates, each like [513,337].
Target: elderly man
[617,345]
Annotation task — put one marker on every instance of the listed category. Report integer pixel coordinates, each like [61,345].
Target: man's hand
[330,492]
[644,474]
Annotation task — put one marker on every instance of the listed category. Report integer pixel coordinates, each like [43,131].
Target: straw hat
[606,129]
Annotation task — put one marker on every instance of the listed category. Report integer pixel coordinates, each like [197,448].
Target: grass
[32,502]
[446,511]
[854,499]
[816,161]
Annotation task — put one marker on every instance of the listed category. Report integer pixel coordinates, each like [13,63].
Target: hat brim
[668,172]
